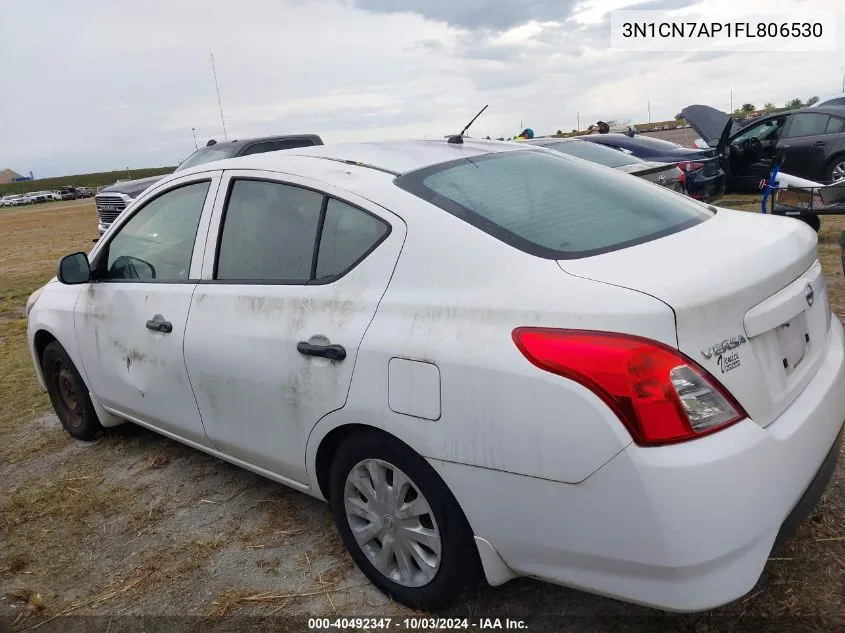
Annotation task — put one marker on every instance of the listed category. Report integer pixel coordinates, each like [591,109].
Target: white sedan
[485,356]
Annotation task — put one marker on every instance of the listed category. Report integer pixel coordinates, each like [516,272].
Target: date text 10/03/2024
[416,624]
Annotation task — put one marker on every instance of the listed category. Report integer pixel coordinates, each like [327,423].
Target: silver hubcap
[839,171]
[392,523]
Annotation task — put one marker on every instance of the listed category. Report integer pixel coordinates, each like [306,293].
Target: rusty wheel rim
[68,401]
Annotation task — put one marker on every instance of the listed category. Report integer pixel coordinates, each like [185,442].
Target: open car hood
[709,122]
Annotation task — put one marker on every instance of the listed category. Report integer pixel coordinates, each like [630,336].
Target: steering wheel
[751,146]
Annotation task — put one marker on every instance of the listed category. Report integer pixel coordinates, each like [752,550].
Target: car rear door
[130,321]
[292,278]
[806,143]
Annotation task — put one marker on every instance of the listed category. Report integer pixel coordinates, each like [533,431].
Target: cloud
[664,5]
[125,87]
[497,15]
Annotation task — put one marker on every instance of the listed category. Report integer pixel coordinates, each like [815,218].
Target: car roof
[393,157]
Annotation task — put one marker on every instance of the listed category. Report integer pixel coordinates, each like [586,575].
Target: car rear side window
[835,125]
[550,205]
[269,232]
[348,235]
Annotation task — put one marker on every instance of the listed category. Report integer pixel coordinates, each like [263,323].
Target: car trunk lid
[709,122]
[749,298]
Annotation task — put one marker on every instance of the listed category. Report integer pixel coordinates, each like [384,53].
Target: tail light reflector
[660,395]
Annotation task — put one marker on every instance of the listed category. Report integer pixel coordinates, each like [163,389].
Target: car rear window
[552,206]
[648,142]
[208,154]
[594,153]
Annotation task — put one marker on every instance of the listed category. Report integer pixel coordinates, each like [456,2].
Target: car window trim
[412,183]
[314,255]
[102,253]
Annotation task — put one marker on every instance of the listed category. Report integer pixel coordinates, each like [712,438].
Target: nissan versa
[485,356]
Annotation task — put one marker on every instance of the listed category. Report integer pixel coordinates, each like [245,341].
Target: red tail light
[660,395]
[690,166]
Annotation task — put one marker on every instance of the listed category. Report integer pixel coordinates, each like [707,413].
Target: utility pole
[732,101]
[219,102]
[649,111]
[578,118]
[843,83]
[196,145]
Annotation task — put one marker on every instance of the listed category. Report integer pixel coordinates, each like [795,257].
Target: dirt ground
[136,532]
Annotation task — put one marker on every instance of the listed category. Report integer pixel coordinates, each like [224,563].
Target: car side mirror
[74,269]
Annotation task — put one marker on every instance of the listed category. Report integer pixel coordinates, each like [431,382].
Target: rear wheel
[68,393]
[836,170]
[400,522]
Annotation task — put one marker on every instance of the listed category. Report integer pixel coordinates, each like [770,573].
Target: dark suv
[114,199]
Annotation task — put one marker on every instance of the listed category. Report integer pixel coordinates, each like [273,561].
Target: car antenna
[459,138]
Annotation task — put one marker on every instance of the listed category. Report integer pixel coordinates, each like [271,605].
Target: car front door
[130,320]
[753,152]
[292,279]
[810,141]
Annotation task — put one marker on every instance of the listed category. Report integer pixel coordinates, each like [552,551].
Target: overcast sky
[95,85]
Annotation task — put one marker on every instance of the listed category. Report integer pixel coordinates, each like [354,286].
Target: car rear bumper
[682,528]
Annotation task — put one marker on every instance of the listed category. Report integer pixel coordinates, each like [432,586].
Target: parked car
[12,200]
[811,141]
[664,174]
[111,201]
[69,193]
[704,178]
[481,354]
[84,192]
[836,100]
[41,196]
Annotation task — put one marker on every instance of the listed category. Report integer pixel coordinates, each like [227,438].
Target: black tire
[69,395]
[459,566]
[812,220]
[836,160]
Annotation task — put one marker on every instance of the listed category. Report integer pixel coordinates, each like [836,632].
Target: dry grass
[33,240]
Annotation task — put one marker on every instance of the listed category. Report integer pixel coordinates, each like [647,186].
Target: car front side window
[767,131]
[157,243]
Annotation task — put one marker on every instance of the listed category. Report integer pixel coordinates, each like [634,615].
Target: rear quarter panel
[455,297]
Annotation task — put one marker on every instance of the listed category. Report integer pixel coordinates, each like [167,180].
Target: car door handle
[820,143]
[158,324]
[332,352]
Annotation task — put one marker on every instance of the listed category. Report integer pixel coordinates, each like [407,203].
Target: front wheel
[400,522]
[69,394]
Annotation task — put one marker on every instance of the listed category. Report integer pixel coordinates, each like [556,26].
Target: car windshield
[206,155]
[552,206]
[594,153]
